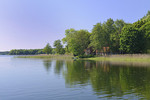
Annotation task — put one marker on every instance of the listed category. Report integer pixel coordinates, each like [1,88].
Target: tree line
[26,52]
[118,36]
[58,49]
[4,53]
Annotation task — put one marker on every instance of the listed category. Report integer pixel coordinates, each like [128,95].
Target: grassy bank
[115,58]
[123,58]
[47,56]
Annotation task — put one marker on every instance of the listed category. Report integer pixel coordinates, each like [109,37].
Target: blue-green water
[43,79]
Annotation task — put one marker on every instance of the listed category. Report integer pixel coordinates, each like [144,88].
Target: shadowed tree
[132,40]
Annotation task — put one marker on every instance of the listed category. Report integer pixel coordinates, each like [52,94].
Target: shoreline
[45,56]
[123,58]
[112,58]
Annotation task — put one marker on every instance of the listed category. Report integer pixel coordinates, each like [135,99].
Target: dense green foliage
[97,37]
[58,47]
[26,52]
[118,36]
[69,34]
[146,29]
[47,49]
[107,35]
[132,40]
[77,41]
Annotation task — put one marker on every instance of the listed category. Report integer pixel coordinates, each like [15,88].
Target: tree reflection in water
[106,79]
[58,67]
[47,64]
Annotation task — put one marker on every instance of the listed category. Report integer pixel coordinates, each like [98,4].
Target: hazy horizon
[26,24]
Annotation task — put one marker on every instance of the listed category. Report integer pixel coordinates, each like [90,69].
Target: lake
[50,79]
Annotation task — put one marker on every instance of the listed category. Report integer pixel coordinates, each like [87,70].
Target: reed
[124,58]
[47,56]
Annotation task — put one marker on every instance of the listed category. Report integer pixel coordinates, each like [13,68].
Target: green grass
[47,56]
[120,58]
[115,58]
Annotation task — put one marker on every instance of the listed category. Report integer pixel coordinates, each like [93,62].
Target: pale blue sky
[31,24]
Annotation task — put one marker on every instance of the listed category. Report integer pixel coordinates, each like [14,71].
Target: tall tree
[115,36]
[78,42]
[97,37]
[69,34]
[59,47]
[109,29]
[47,49]
[146,30]
[101,34]
[132,40]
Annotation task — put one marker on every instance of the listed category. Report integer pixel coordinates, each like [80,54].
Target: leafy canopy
[47,49]
[59,47]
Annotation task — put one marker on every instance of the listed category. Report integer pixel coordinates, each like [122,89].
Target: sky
[31,24]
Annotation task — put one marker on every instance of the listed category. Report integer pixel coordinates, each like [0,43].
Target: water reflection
[47,64]
[58,66]
[106,79]
[75,73]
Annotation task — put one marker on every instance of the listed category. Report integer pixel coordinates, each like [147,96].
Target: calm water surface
[43,79]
